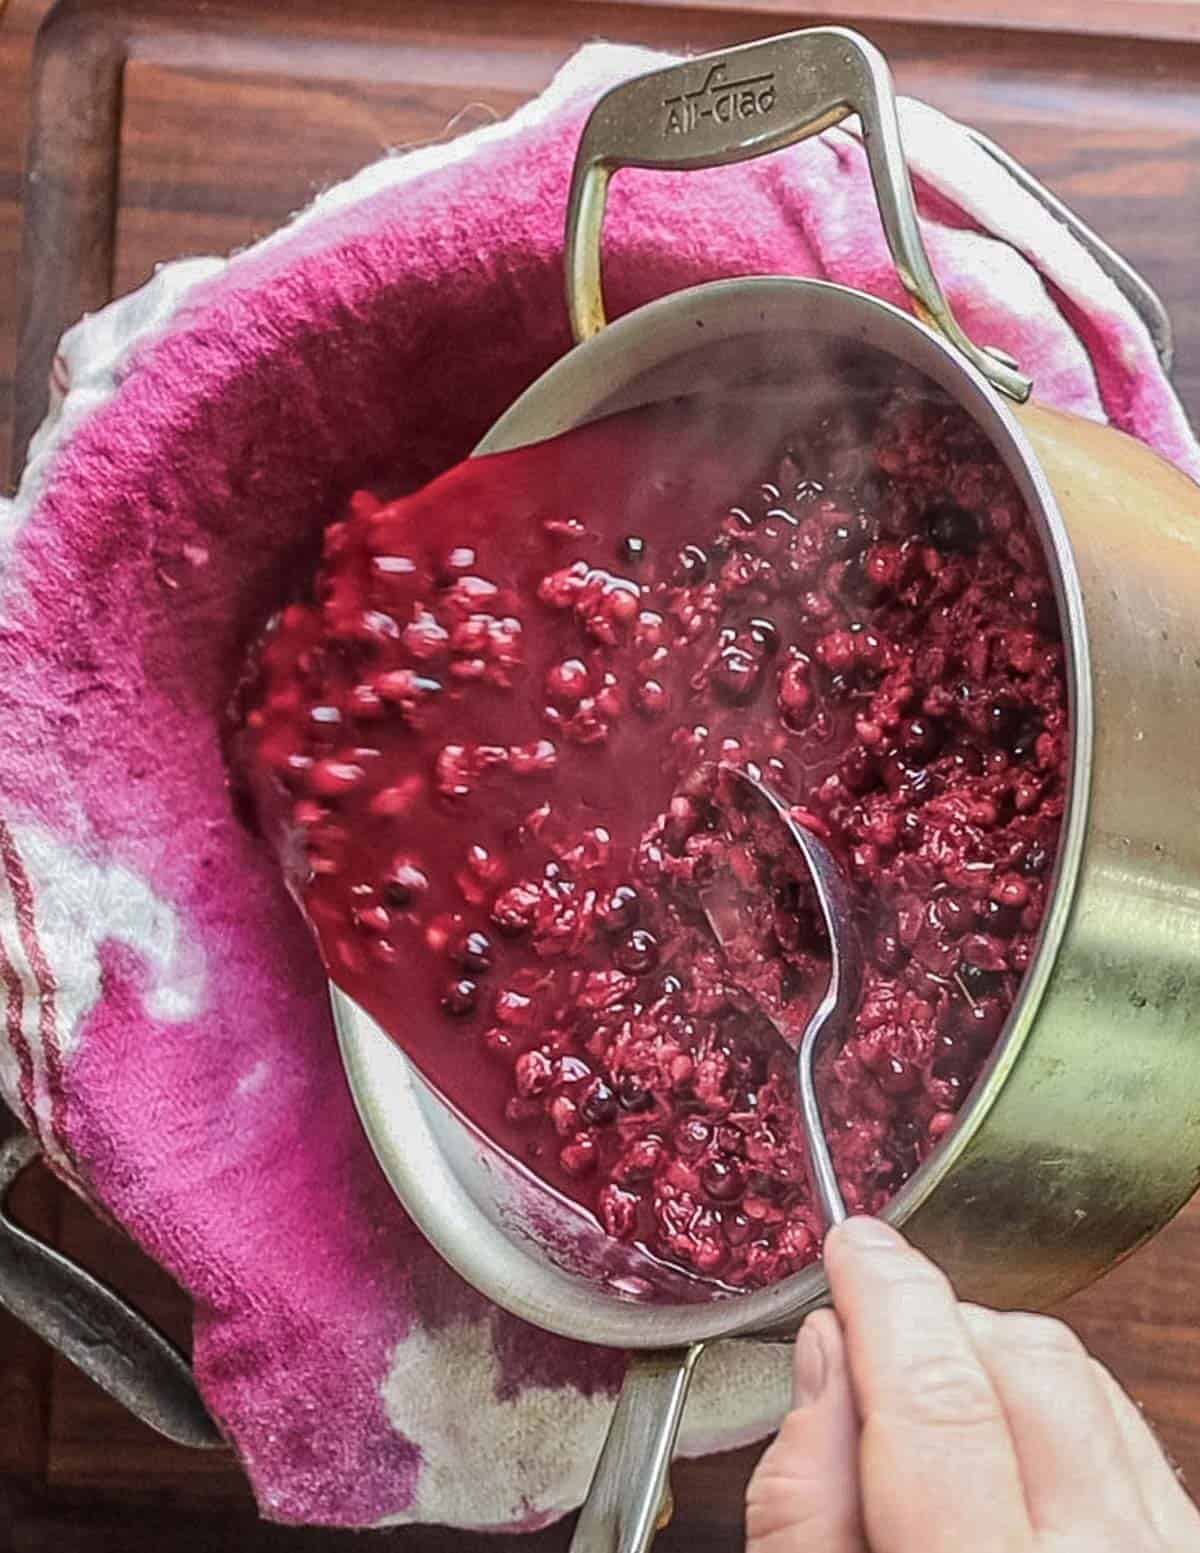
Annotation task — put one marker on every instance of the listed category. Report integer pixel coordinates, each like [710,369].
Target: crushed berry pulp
[488,749]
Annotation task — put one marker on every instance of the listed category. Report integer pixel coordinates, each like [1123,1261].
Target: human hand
[922,1425]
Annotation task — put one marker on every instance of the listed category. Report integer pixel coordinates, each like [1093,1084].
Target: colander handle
[630,1494]
[91,1325]
[741,103]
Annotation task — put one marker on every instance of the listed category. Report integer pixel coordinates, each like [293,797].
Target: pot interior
[758,342]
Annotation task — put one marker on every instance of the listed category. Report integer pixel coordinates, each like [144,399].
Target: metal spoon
[833,1012]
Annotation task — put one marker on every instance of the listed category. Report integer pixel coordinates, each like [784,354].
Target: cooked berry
[491,751]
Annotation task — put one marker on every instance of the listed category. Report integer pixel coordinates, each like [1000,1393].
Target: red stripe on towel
[22,894]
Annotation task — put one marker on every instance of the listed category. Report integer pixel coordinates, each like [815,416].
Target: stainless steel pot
[1083,1135]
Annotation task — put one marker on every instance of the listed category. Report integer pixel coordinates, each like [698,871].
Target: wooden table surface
[223,137]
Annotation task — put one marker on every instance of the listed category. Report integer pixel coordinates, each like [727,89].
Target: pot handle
[630,1495]
[93,1326]
[741,103]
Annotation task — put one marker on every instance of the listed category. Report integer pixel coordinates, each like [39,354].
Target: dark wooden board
[229,126]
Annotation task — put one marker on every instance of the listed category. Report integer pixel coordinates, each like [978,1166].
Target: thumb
[804,1497]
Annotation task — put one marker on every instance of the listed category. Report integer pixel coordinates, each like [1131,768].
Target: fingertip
[825,1322]
[818,1354]
[862,1233]
[808,1367]
[848,1243]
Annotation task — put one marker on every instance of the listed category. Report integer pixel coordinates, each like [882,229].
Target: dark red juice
[489,752]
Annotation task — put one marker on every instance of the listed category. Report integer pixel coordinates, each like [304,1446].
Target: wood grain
[1168,20]
[26,1365]
[17,28]
[233,117]
[389,72]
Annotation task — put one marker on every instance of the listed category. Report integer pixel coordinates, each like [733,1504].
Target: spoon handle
[820,1161]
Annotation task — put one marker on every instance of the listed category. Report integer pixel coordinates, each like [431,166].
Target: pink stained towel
[167,1032]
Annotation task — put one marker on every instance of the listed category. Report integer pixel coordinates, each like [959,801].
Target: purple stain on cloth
[166,1027]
